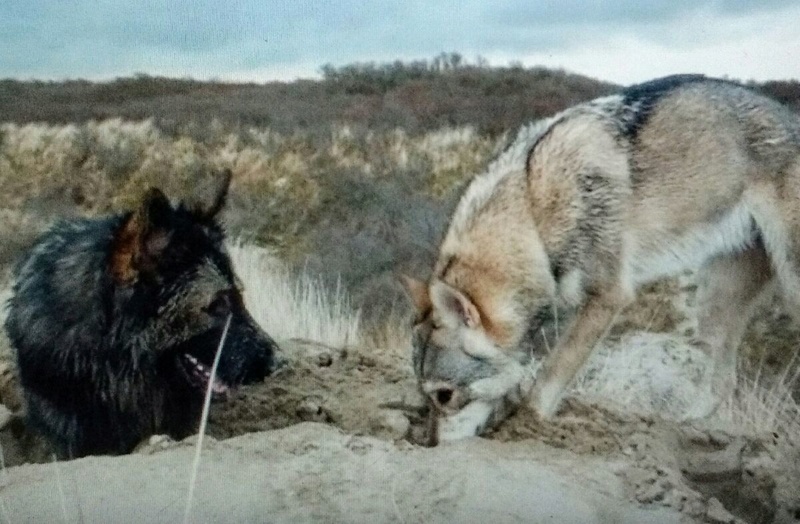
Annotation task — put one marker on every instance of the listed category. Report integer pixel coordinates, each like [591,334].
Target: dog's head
[176,280]
[452,347]
[472,369]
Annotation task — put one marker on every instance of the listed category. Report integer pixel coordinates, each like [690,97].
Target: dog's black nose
[444,396]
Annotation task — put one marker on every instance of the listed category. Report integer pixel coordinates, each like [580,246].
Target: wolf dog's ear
[210,198]
[418,293]
[450,301]
[142,238]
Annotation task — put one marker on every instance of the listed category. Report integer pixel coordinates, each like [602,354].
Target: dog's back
[675,169]
[61,302]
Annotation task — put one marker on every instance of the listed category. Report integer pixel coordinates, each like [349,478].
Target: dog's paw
[515,382]
[488,389]
[469,422]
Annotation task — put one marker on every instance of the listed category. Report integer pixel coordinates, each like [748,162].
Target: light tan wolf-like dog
[582,209]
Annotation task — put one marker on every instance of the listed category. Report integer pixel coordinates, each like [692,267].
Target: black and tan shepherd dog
[115,322]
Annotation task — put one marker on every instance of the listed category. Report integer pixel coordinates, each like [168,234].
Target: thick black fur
[101,339]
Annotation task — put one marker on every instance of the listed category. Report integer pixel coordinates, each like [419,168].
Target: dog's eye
[221,305]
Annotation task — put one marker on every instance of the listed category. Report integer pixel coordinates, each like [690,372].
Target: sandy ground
[358,462]
[336,437]
[315,473]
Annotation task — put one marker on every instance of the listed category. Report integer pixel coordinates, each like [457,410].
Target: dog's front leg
[590,325]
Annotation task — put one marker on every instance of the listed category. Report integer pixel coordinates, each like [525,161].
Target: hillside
[416,96]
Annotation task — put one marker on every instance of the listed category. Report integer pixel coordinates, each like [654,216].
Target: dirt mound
[708,474]
[315,473]
[360,391]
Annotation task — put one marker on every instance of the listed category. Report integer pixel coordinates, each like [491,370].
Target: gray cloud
[42,38]
[618,13]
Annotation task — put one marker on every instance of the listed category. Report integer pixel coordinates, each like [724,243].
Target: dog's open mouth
[199,375]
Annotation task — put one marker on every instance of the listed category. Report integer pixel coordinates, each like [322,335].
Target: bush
[419,96]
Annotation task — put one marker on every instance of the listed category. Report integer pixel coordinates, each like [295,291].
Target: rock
[309,351]
[159,440]
[310,410]
[703,465]
[324,359]
[394,423]
[154,444]
[358,445]
[717,513]
[5,416]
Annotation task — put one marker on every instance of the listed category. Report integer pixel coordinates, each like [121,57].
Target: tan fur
[126,246]
[711,178]
[136,241]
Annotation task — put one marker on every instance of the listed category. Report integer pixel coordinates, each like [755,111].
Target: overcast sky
[622,41]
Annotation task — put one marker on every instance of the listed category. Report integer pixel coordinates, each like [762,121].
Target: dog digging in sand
[584,207]
[116,321]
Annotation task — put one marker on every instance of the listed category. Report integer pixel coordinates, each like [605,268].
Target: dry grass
[107,164]
[298,305]
[765,403]
[291,306]
[282,182]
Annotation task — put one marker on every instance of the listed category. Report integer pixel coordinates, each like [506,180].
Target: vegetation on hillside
[416,96]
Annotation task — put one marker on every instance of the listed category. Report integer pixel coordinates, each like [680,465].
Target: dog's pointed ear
[142,238]
[417,291]
[211,196]
[455,304]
